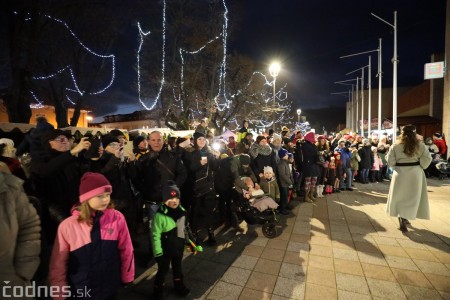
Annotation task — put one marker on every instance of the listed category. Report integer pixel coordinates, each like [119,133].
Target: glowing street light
[299,112]
[274,69]
[89,118]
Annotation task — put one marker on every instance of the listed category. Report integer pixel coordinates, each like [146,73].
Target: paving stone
[277,244]
[321,251]
[346,295]
[378,272]
[385,289]
[208,271]
[236,276]
[401,263]
[268,266]
[441,283]
[348,267]
[414,278]
[321,262]
[423,254]
[297,247]
[352,283]
[249,294]
[314,291]
[372,258]
[297,258]
[245,262]
[261,282]
[289,288]
[251,250]
[273,254]
[393,250]
[224,290]
[292,271]
[345,254]
[420,293]
[321,277]
[436,268]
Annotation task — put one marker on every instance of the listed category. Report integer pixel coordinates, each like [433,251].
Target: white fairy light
[69,67]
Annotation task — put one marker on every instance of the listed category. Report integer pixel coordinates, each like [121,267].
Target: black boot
[211,241]
[180,289]
[158,292]
[403,227]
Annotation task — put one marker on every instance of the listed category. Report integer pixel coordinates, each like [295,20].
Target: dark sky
[308,37]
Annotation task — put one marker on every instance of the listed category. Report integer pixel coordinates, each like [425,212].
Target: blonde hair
[86,212]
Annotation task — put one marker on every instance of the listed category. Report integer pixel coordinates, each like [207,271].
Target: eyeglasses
[61,139]
[113,145]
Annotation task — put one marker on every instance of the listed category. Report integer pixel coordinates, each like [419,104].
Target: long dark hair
[409,139]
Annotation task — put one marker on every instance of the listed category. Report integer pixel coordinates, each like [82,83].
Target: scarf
[256,150]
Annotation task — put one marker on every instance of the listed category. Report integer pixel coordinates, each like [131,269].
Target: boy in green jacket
[169,240]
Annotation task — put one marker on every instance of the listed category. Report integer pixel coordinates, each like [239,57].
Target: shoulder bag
[204,185]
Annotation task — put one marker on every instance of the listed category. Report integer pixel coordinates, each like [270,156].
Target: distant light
[89,118]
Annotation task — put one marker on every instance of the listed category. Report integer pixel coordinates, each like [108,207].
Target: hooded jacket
[19,229]
[86,258]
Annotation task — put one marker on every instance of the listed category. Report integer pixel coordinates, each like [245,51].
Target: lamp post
[274,69]
[394,75]
[299,112]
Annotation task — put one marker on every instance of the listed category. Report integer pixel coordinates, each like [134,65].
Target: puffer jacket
[97,260]
[20,233]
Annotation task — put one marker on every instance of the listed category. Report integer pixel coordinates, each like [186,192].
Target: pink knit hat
[310,137]
[93,184]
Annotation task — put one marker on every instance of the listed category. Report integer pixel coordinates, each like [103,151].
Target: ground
[343,246]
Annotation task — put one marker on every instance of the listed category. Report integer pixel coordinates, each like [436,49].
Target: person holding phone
[119,174]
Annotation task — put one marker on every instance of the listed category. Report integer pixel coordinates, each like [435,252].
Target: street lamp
[274,69]
[299,112]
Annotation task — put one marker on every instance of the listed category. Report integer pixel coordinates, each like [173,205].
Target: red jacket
[440,143]
[85,260]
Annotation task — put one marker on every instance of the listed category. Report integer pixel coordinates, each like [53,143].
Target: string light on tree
[69,67]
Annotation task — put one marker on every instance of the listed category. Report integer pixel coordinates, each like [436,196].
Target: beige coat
[19,232]
[408,196]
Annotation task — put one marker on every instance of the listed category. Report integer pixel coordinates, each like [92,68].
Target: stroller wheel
[269,230]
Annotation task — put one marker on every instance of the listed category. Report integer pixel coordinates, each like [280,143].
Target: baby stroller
[443,167]
[242,210]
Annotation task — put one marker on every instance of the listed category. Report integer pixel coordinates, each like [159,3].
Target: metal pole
[379,87]
[357,106]
[273,111]
[369,113]
[353,108]
[394,90]
[362,102]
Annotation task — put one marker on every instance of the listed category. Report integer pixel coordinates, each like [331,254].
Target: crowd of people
[94,193]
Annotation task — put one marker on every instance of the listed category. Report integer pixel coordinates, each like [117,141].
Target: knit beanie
[282,152]
[197,135]
[108,139]
[310,137]
[116,133]
[137,140]
[245,159]
[268,169]
[170,190]
[93,184]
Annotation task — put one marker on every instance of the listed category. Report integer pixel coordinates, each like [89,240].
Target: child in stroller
[255,207]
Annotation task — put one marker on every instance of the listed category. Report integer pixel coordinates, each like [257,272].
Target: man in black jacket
[154,169]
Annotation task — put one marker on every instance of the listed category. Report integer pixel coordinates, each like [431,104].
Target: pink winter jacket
[98,262]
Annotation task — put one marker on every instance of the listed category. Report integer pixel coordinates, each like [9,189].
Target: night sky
[308,37]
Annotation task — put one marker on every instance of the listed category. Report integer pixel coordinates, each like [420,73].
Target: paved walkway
[342,247]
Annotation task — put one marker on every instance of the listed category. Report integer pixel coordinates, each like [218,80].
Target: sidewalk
[343,246]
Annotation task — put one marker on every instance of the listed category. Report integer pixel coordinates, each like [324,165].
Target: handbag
[358,158]
[204,185]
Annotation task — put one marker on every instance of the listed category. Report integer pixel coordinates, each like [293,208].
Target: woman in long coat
[408,198]
[309,165]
